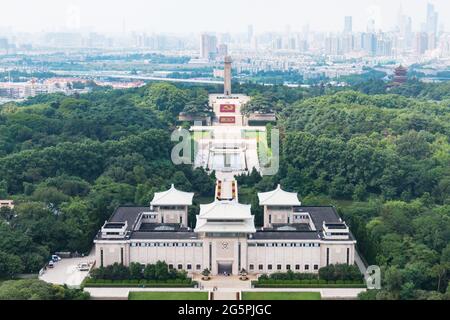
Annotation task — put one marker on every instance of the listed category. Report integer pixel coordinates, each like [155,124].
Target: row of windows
[280,267]
[282,244]
[188,266]
[149,216]
[301,217]
[166,244]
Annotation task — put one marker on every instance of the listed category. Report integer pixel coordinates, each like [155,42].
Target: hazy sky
[184,16]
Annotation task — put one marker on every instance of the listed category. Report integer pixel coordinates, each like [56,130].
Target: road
[132,77]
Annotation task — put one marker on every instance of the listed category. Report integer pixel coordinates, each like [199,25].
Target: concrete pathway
[225,295]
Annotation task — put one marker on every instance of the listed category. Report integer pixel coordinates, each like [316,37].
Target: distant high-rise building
[432,19]
[277,43]
[222,50]
[348,24]
[333,45]
[208,46]
[249,33]
[421,43]
[4,43]
[348,43]
[431,26]
[369,43]
[405,34]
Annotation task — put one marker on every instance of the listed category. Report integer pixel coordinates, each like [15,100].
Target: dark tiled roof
[320,214]
[296,226]
[128,214]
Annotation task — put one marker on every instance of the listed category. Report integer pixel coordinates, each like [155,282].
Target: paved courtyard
[66,272]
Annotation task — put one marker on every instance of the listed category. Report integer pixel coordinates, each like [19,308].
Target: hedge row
[279,285]
[188,283]
[308,281]
[307,284]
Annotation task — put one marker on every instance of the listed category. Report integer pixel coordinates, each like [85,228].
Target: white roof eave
[278,197]
[172,197]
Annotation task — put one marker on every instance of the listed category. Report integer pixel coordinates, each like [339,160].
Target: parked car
[56,258]
[83,266]
[51,264]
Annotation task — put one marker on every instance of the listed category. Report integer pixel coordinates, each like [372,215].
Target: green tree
[10,265]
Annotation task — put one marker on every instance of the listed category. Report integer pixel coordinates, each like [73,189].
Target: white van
[83,266]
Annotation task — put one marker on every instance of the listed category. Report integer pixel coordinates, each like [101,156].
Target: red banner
[227,108]
[227,120]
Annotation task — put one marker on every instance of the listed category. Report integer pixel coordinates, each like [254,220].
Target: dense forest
[383,159]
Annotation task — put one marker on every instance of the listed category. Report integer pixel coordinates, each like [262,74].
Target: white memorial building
[225,239]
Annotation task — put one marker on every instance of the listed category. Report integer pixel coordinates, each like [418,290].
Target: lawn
[168,296]
[281,296]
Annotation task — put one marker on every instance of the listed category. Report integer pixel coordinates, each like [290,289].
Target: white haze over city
[194,16]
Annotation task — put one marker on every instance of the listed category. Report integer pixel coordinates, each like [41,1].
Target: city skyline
[198,16]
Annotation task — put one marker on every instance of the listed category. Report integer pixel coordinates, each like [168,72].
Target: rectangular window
[239,256]
[121,255]
[269,267]
[306,266]
[288,267]
[251,267]
[189,266]
[270,218]
[348,255]
[170,266]
[316,267]
[297,267]
[180,266]
[328,256]
[210,256]
[101,257]
[260,267]
[278,266]
[198,267]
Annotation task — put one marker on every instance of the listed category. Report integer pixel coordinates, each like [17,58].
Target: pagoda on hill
[400,75]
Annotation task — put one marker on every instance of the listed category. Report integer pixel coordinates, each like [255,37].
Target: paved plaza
[66,272]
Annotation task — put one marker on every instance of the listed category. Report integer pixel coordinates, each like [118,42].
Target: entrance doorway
[225,268]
